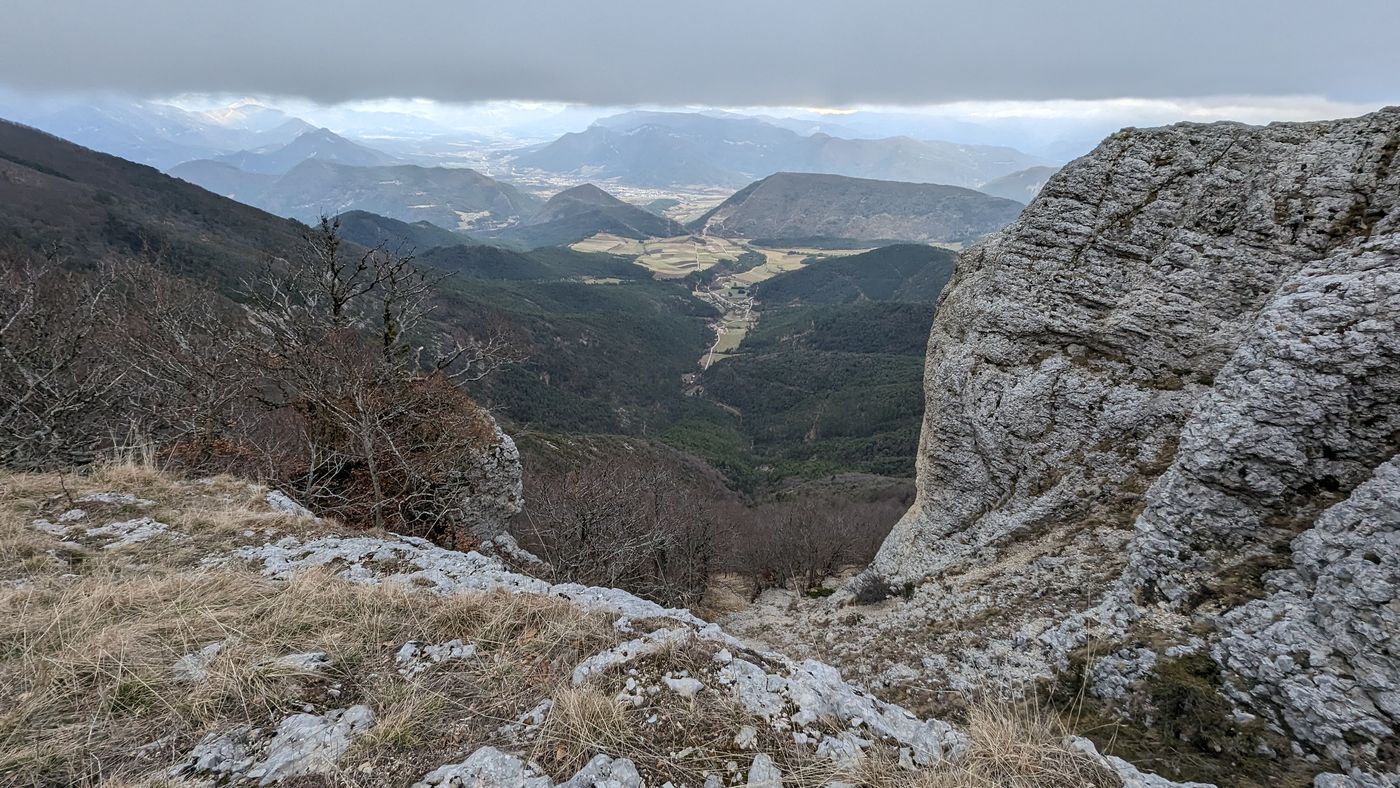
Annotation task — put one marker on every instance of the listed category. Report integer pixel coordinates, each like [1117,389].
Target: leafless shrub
[627,524]
[330,377]
[189,360]
[379,429]
[55,377]
[800,540]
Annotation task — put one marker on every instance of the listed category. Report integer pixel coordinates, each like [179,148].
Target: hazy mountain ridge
[1021,186]
[583,211]
[671,148]
[449,197]
[805,205]
[163,135]
[319,144]
[370,229]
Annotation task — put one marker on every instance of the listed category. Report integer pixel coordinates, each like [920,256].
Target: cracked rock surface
[1178,370]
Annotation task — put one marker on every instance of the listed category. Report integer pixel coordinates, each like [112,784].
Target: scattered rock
[129,532]
[684,687]
[308,663]
[310,744]
[303,744]
[193,668]
[763,774]
[53,529]
[487,766]
[605,772]
[279,501]
[1357,779]
[1129,774]
[116,499]
[414,657]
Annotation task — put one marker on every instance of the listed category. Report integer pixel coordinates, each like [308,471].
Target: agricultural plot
[667,258]
[675,258]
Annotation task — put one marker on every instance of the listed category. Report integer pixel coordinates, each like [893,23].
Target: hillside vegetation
[370,229]
[55,195]
[582,212]
[831,377]
[806,205]
[907,273]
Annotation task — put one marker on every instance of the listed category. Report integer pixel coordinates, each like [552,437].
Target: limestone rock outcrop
[1167,398]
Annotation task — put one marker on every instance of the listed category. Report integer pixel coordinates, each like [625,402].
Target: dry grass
[1018,745]
[88,638]
[87,644]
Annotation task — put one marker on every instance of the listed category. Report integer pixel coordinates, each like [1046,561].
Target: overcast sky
[815,53]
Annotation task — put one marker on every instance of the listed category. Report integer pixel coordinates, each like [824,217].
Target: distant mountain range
[575,214]
[1021,186]
[693,149]
[162,135]
[807,206]
[455,198]
[318,144]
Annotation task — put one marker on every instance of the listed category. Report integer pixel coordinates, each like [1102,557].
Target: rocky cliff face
[1169,395]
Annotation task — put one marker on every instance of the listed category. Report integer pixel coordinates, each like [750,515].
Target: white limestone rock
[1357,779]
[1321,653]
[685,687]
[129,532]
[193,668]
[1181,354]
[310,743]
[308,663]
[605,772]
[763,773]
[1131,776]
[494,473]
[414,657]
[303,744]
[486,768]
[48,527]
[279,501]
[117,499]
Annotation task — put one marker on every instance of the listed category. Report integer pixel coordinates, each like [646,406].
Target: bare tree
[189,360]
[349,349]
[54,379]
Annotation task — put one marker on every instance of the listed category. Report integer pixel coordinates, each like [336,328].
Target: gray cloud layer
[757,52]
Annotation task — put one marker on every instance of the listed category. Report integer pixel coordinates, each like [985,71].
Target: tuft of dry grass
[1012,745]
[582,723]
